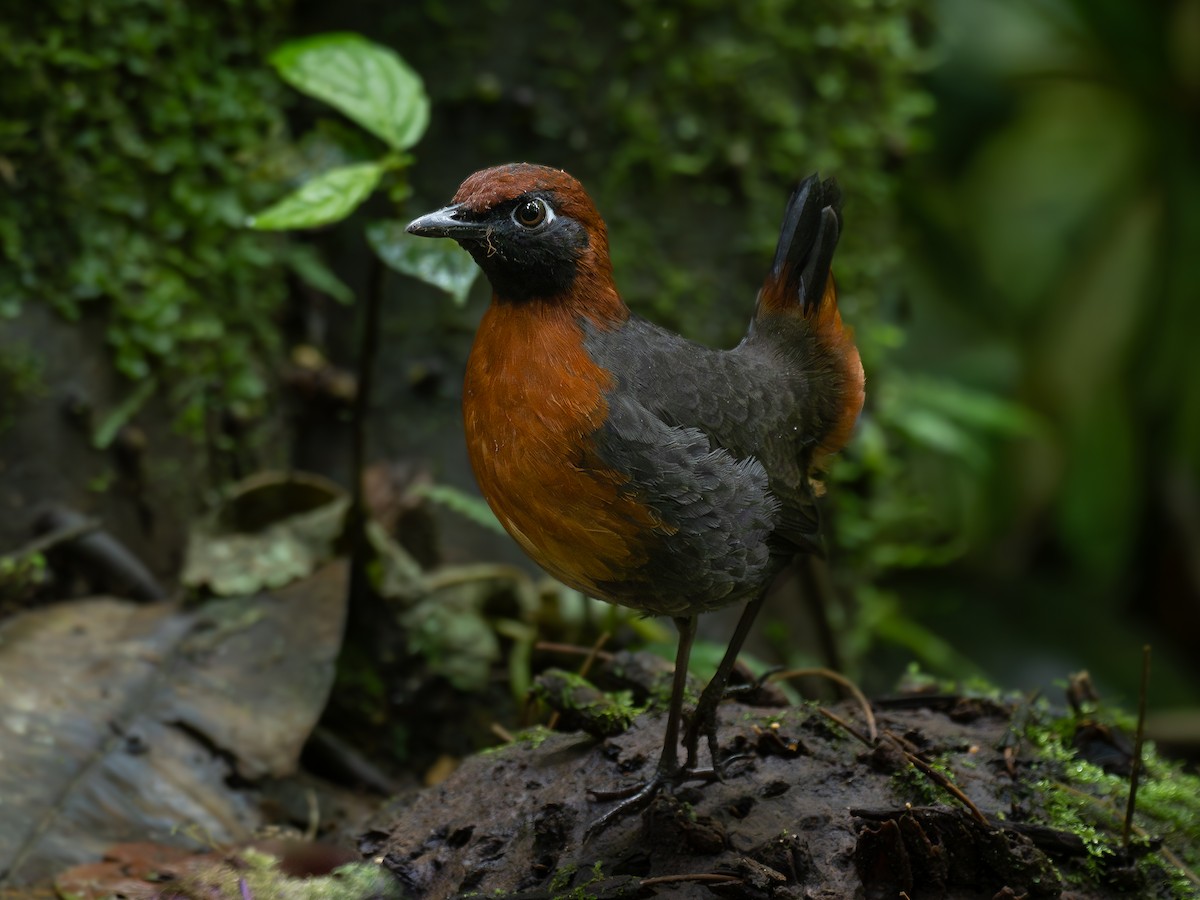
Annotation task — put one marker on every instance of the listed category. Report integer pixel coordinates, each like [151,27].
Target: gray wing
[717,511]
[747,402]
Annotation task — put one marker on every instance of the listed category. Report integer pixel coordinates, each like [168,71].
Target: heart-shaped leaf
[369,83]
[443,264]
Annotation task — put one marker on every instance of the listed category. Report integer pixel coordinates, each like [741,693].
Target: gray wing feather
[718,511]
[749,402]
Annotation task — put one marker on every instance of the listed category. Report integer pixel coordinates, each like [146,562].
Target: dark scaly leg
[668,763]
[704,719]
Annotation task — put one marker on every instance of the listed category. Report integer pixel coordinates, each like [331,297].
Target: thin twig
[1135,770]
[348,762]
[819,592]
[699,877]
[946,784]
[845,682]
[912,755]
[102,557]
[591,657]
[572,650]
[356,519]
[842,723]
[314,814]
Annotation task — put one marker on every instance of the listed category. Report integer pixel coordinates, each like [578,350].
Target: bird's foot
[750,687]
[638,796]
[703,720]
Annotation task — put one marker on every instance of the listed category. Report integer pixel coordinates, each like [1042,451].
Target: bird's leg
[668,763]
[704,719]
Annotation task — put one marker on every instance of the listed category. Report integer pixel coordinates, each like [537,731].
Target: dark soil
[807,810]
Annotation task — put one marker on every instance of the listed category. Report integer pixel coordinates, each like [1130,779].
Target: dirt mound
[806,809]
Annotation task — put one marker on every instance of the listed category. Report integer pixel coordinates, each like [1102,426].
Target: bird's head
[533,230]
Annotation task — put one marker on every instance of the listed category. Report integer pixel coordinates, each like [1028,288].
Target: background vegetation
[1051,229]
[135,140]
[1023,205]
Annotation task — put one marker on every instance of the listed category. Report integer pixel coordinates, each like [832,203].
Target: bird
[633,464]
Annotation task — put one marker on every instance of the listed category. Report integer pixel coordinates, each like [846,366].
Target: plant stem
[368,351]
[1136,769]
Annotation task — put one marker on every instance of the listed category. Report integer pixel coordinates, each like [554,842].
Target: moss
[1063,791]
[584,707]
[21,577]
[534,737]
[133,138]
[562,878]
[911,783]
[1078,796]
[254,874]
[527,738]
[580,891]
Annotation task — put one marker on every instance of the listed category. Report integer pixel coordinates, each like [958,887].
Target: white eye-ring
[533,213]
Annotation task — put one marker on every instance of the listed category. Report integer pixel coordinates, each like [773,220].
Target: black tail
[807,239]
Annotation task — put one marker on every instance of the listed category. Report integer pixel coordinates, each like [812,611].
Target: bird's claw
[632,799]
[751,687]
[704,719]
[637,796]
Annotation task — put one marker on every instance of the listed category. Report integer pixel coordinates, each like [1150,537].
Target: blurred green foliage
[20,382]
[21,577]
[133,137]
[373,87]
[1053,233]
[1067,215]
[728,105]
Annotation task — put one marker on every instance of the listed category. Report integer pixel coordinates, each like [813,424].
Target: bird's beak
[447,222]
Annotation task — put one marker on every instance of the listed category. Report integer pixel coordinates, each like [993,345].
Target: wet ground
[810,810]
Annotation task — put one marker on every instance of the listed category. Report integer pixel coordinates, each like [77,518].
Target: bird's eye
[532,213]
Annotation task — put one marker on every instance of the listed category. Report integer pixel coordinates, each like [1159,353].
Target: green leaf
[311,269]
[329,197]
[930,429]
[443,264]
[107,431]
[467,505]
[978,410]
[368,82]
